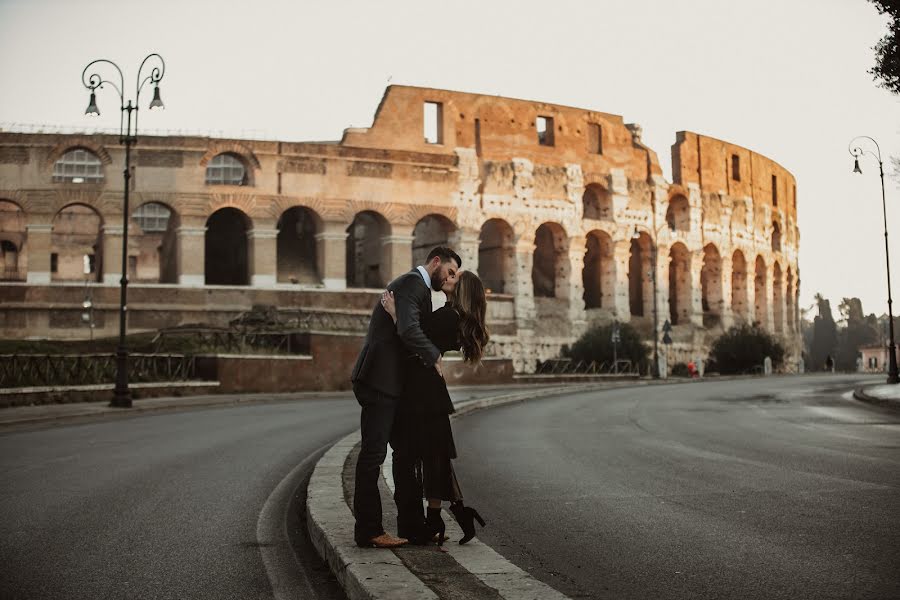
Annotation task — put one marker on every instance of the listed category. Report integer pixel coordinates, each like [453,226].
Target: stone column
[331,255]
[726,312]
[190,252]
[112,254]
[522,287]
[621,257]
[261,257]
[575,288]
[39,246]
[662,287]
[397,252]
[465,243]
[696,305]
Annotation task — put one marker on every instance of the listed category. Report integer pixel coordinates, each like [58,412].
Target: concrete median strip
[380,574]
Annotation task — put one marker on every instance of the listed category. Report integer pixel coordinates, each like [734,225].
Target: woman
[422,425]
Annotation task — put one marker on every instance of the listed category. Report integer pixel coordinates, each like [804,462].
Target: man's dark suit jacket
[386,345]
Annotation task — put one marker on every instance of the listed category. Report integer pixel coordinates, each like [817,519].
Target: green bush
[742,349]
[596,345]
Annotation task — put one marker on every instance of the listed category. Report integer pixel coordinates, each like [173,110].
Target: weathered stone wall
[572,226]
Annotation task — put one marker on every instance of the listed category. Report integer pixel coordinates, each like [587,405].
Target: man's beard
[436,282]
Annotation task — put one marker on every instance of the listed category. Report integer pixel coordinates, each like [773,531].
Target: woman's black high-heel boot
[435,525]
[466,517]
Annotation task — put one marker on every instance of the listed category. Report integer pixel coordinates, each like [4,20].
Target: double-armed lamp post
[128,137]
[856,150]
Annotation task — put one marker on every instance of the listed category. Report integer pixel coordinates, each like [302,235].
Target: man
[377,384]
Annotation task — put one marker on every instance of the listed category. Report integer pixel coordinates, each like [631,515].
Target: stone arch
[739,303]
[777,298]
[496,256]
[232,147]
[679,284]
[776,237]
[214,173]
[79,165]
[152,241]
[430,231]
[640,281]
[76,244]
[599,273]
[73,143]
[711,284]
[296,252]
[760,286]
[367,265]
[226,254]
[597,203]
[13,234]
[549,271]
[678,215]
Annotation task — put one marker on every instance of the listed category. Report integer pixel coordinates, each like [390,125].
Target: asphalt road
[168,505]
[775,488]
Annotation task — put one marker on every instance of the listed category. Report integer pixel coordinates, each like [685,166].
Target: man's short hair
[446,254]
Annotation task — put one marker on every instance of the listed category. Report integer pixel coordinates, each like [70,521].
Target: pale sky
[785,78]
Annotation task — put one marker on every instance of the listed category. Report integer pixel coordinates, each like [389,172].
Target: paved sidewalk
[885,394]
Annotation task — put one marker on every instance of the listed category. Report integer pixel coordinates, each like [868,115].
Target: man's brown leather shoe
[386,540]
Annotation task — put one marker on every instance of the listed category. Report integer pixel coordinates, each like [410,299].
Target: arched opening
[548,271]
[496,256]
[151,237]
[597,203]
[78,165]
[227,169]
[226,248]
[12,229]
[711,285]
[295,246]
[777,299]
[430,231]
[366,267]
[679,284]
[776,237]
[789,301]
[678,215]
[640,278]
[760,293]
[739,285]
[599,275]
[76,245]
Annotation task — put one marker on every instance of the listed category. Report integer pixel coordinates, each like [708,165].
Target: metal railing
[210,339]
[38,370]
[566,366]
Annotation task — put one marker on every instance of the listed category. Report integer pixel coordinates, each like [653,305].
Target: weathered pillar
[190,253]
[465,243]
[621,257]
[331,255]
[522,287]
[575,287]
[727,315]
[39,245]
[112,254]
[696,303]
[397,252]
[262,256]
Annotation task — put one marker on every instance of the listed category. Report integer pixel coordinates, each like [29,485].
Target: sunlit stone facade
[563,212]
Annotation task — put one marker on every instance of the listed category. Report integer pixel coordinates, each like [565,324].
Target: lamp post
[856,151]
[128,137]
[654,246]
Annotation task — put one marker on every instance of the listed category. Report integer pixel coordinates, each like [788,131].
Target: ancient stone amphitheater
[563,212]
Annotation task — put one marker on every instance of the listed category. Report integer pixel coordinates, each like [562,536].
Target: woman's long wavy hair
[470,301]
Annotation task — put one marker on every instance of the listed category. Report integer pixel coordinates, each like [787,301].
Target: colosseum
[563,212]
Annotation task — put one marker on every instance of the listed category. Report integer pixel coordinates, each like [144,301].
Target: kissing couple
[399,382]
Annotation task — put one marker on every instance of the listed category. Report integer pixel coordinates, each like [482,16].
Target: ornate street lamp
[856,151]
[128,137]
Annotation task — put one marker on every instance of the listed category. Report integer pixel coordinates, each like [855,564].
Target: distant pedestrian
[829,364]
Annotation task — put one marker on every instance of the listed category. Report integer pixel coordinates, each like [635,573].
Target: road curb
[367,574]
[861,395]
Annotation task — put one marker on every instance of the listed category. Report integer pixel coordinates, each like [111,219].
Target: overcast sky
[784,78]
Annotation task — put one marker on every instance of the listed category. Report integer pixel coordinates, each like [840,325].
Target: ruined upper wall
[710,164]
[500,129]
